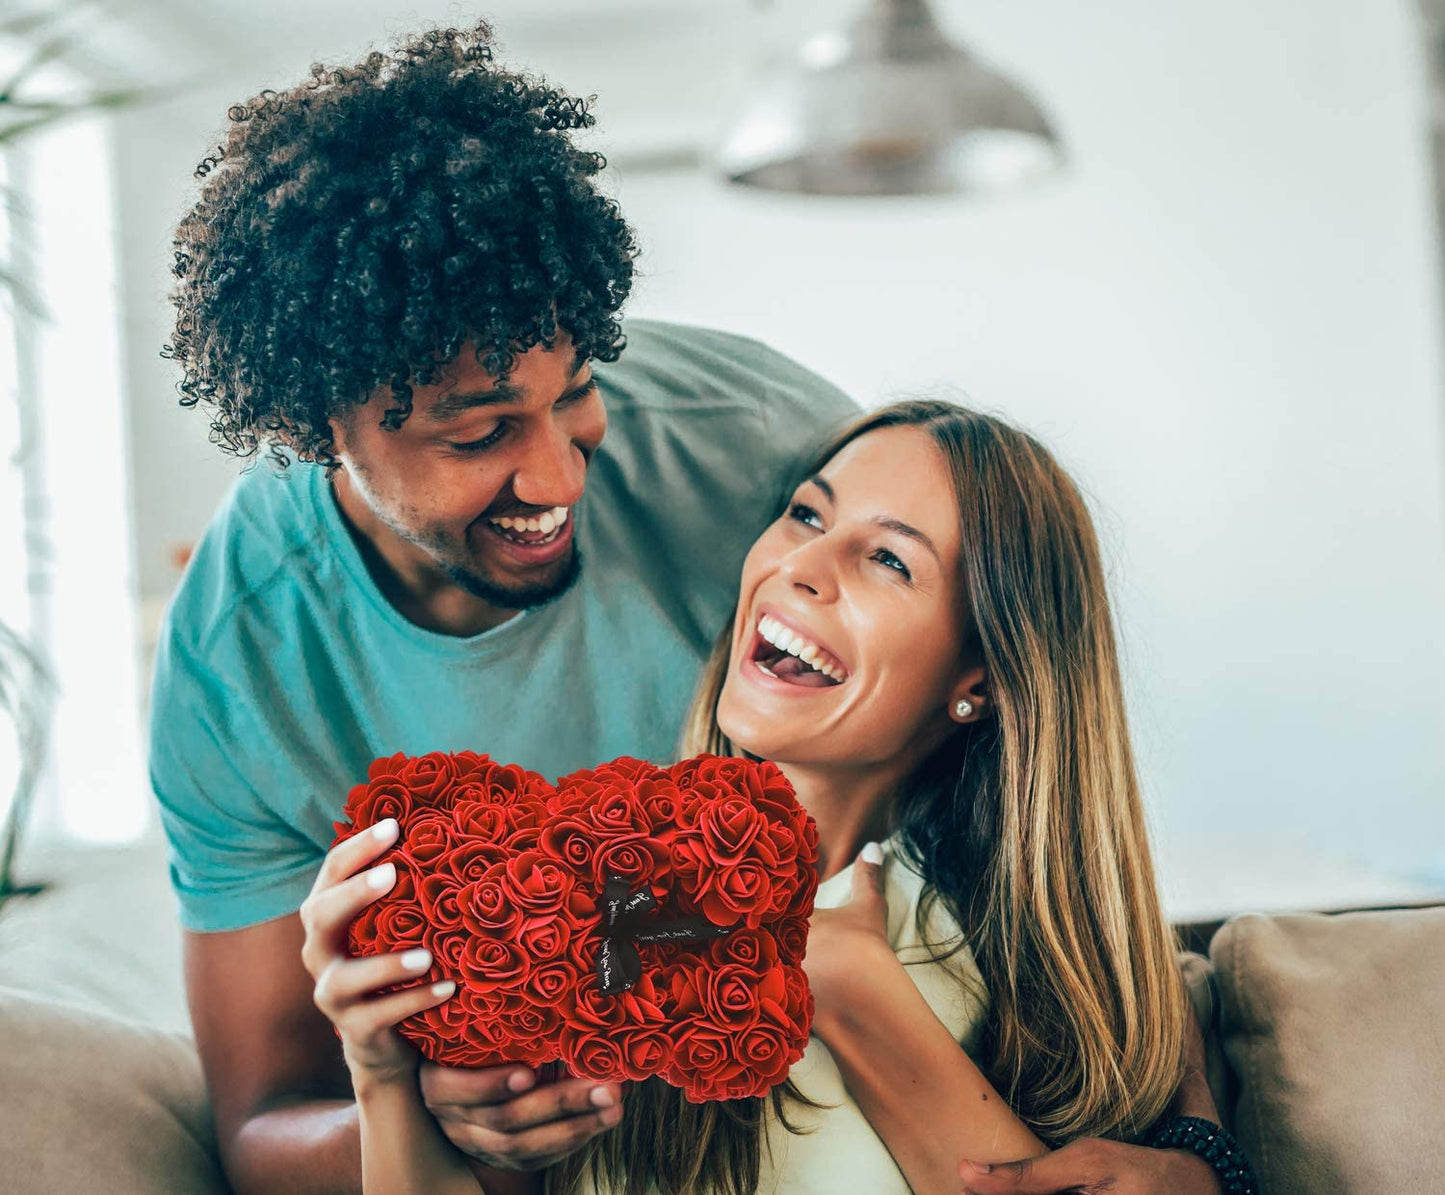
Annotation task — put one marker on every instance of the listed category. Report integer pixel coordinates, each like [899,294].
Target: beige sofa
[1326,1036]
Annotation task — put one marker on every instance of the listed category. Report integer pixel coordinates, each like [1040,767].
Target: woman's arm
[921,1092]
[923,1095]
[403,1149]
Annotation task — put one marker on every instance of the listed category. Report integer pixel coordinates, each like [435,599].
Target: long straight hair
[1028,825]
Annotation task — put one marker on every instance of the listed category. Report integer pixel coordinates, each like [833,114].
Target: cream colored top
[843,1153]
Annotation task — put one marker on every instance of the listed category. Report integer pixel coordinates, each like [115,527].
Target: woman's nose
[811,567]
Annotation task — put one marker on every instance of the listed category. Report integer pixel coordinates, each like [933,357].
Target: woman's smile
[783,648]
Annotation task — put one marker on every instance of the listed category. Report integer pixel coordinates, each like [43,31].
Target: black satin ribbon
[625,923]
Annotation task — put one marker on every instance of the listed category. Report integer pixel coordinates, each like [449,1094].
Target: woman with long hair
[923,644]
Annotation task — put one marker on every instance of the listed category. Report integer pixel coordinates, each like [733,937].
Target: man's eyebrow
[455,403]
[888,522]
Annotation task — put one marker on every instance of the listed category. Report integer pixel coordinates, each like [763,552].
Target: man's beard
[526,597]
[441,547]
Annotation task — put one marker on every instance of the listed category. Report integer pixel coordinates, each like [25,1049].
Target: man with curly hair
[401,279]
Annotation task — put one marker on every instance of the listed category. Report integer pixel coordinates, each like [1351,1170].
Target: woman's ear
[968,701]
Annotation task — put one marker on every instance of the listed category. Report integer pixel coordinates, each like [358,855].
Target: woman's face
[847,646]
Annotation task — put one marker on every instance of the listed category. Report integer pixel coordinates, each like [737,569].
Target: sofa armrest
[92,1102]
[1335,1028]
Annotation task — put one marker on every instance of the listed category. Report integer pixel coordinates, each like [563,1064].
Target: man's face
[473,451]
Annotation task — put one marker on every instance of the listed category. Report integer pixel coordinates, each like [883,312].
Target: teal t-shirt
[282,671]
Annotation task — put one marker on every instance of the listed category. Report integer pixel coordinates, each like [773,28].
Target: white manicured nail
[445,988]
[382,877]
[385,830]
[872,853]
[416,960]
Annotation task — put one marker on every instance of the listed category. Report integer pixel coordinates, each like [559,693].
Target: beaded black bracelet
[1212,1142]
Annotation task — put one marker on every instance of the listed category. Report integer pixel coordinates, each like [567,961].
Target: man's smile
[536,542]
[533,530]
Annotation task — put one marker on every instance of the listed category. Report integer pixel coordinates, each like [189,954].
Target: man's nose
[553,472]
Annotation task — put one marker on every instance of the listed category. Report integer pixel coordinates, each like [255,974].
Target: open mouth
[535,532]
[784,654]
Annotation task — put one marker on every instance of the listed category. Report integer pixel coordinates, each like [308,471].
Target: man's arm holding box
[280,1092]
[281,1095]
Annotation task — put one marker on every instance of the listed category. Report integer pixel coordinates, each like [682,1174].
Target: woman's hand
[503,1117]
[843,943]
[346,987]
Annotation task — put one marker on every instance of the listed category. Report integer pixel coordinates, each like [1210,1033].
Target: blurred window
[74,588]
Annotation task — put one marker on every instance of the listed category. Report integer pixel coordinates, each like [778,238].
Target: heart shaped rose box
[629,920]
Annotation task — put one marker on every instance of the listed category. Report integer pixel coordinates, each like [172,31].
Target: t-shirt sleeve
[798,412]
[801,413]
[708,432]
[234,862]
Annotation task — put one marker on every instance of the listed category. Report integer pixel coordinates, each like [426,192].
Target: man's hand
[1093,1167]
[492,1115]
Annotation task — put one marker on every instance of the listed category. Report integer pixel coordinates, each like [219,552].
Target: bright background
[1225,317]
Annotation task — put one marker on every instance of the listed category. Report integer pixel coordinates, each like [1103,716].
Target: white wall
[179,475]
[1225,317]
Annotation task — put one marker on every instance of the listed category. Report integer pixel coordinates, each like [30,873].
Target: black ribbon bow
[619,965]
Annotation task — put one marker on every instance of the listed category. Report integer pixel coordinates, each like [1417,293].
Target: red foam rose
[501,876]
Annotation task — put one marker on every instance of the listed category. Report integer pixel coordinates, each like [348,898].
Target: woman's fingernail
[521,1080]
[445,988]
[381,878]
[385,830]
[872,853]
[979,1167]
[601,1097]
[416,960]
[610,1116]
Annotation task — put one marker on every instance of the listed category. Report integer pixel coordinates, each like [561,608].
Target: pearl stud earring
[963,708]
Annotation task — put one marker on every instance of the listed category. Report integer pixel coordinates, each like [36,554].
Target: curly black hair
[357,229]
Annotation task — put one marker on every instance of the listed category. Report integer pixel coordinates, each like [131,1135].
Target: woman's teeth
[795,645]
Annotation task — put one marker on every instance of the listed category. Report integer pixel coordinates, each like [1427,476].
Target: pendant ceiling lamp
[888,106]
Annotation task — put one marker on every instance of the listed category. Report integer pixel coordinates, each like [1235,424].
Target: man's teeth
[546,523]
[795,645]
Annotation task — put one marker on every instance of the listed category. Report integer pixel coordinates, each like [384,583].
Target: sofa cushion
[90,1102]
[1335,1029]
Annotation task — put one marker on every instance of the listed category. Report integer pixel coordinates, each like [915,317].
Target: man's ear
[339,427]
[344,428]
[969,699]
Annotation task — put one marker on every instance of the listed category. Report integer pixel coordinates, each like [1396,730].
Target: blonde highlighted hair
[1028,825]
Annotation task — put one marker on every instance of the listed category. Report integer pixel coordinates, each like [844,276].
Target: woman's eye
[477,445]
[888,560]
[804,514]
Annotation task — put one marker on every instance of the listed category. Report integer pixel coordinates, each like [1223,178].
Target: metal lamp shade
[888,107]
